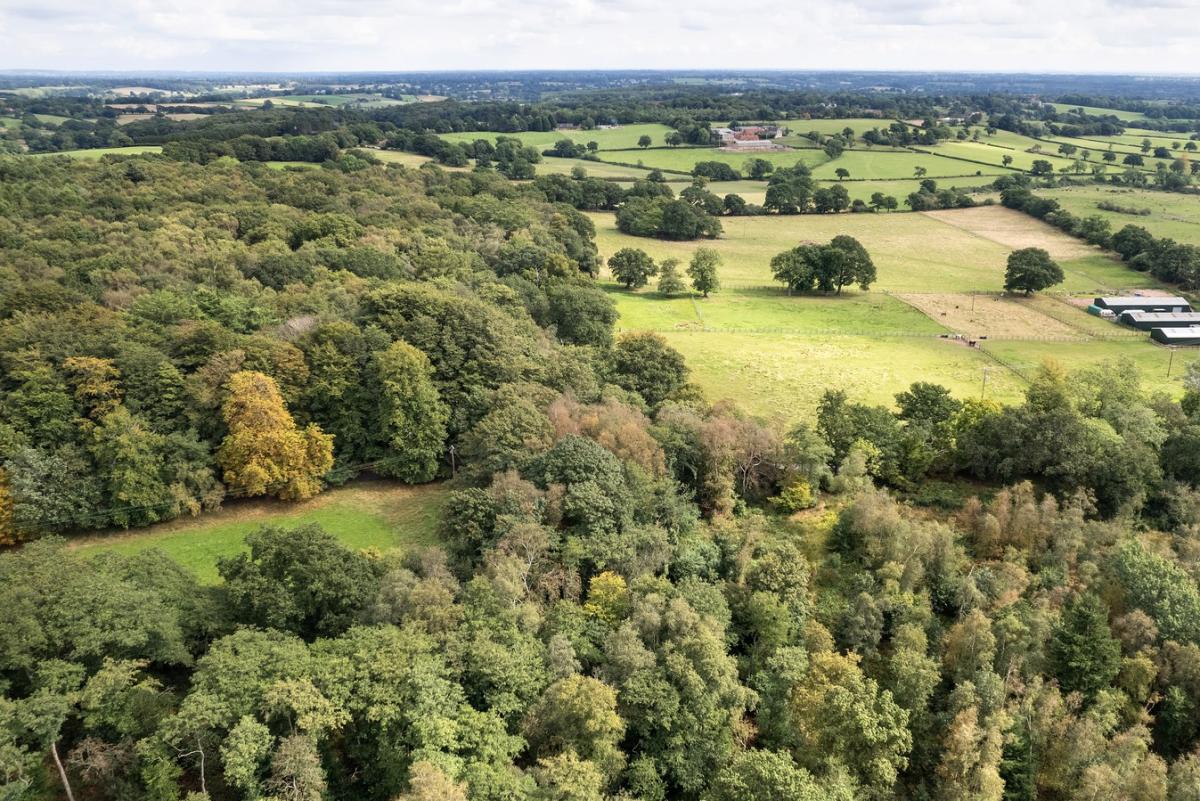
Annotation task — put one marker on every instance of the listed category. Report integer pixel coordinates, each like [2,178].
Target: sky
[1107,36]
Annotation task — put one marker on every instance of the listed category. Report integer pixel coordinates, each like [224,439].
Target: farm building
[1147,321]
[1146,304]
[1177,336]
[746,136]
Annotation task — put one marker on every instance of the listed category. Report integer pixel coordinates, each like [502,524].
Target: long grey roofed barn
[1137,303]
[1177,336]
[1147,321]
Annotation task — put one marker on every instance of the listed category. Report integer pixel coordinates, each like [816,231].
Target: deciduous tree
[264,452]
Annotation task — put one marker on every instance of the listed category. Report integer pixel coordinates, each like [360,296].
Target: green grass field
[885,164]
[51,119]
[98,152]
[1101,112]
[863,189]
[777,353]
[1171,215]
[782,376]
[600,169]
[368,514]
[859,125]
[683,159]
[621,137]
[993,155]
[1099,147]
[954,251]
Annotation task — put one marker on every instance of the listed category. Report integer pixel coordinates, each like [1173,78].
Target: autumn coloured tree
[264,452]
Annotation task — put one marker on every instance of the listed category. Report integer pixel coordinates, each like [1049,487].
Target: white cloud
[1026,35]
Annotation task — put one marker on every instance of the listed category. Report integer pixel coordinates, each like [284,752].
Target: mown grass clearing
[99,152]
[367,514]
[292,165]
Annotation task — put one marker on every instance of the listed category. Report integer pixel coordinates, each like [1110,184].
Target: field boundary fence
[1012,368]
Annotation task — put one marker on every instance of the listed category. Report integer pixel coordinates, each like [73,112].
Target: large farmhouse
[750,137]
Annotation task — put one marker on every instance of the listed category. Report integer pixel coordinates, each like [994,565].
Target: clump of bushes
[1108,205]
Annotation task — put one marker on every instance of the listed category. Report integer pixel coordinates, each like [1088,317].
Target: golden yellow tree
[97,384]
[264,452]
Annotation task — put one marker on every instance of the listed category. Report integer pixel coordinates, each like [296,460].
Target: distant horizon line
[33,71]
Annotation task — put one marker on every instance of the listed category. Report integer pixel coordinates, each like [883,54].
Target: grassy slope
[369,514]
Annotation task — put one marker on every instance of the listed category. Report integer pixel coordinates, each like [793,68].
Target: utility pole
[983,389]
[1170,360]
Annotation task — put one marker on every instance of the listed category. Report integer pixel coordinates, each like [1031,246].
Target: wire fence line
[1012,368]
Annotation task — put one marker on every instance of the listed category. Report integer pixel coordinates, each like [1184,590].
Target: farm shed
[1177,336]
[1148,304]
[1148,321]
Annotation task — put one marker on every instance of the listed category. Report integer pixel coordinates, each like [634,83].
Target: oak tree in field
[632,267]
[670,282]
[851,265]
[645,141]
[829,268]
[1030,270]
[703,271]
[842,173]
[1041,167]
[264,452]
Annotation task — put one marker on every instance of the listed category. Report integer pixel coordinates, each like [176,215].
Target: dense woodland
[639,595]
